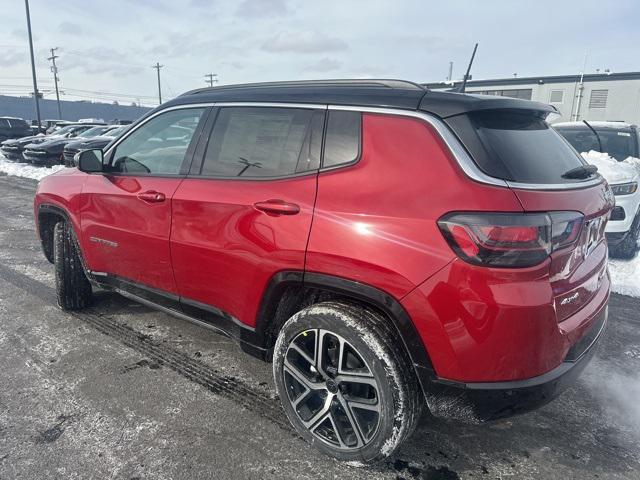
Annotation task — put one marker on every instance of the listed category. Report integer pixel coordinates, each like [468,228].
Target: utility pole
[157,66]
[33,64]
[54,69]
[450,77]
[211,78]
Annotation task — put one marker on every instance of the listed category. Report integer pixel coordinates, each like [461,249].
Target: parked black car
[50,152]
[13,149]
[91,143]
[11,127]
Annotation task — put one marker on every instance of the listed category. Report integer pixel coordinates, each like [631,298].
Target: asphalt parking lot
[121,391]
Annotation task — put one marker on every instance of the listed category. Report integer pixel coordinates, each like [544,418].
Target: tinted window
[159,146]
[264,142]
[516,145]
[617,143]
[93,132]
[4,122]
[342,143]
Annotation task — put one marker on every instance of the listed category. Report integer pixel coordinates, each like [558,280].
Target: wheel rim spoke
[320,415]
[352,421]
[300,377]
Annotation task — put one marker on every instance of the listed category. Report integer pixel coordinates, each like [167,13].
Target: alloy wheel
[331,389]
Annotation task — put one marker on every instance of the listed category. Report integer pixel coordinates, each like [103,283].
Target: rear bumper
[478,402]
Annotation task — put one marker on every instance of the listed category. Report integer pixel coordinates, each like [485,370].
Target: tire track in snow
[186,366]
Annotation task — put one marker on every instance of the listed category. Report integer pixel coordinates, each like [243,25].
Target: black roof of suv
[370,93]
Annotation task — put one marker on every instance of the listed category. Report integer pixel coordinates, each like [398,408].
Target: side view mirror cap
[89,161]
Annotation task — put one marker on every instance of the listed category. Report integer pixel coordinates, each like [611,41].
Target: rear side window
[342,143]
[4,122]
[518,146]
[264,142]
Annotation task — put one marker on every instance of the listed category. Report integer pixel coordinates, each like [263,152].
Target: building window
[556,96]
[598,98]
[524,93]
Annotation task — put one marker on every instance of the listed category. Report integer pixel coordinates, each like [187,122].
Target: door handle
[151,196]
[277,207]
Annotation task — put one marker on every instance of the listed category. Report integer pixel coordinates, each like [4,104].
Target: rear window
[518,146]
[617,143]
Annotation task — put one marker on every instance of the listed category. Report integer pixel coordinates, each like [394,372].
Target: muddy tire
[72,287]
[346,382]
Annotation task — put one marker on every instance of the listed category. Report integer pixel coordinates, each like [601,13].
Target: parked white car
[614,147]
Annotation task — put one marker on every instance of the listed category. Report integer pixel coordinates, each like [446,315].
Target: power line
[54,69]
[157,66]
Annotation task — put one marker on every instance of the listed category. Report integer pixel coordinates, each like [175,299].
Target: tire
[362,411]
[72,287]
[630,245]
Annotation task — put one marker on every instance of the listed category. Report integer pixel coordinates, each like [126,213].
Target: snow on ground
[26,170]
[625,276]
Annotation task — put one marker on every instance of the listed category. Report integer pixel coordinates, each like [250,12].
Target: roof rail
[362,82]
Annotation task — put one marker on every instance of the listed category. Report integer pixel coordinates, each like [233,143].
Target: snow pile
[612,170]
[26,170]
[625,276]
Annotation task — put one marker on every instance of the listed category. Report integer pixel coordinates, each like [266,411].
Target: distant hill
[24,107]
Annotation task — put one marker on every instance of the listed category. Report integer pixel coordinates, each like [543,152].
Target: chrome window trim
[211,104]
[461,155]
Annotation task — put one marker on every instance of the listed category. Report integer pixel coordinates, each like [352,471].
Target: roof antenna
[466,75]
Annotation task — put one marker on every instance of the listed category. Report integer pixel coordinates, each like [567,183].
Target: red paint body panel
[112,212]
[384,232]
[489,325]
[225,251]
[572,270]
[63,190]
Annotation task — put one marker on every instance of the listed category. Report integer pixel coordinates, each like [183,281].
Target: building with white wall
[596,96]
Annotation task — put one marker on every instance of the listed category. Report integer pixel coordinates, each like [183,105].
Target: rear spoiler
[448,104]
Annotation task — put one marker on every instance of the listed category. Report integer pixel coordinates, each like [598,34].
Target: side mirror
[89,161]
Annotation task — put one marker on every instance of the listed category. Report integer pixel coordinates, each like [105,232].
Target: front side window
[264,142]
[159,146]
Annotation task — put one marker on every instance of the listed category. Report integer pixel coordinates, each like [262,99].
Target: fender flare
[358,291]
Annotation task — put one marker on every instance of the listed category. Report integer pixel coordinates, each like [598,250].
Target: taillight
[509,239]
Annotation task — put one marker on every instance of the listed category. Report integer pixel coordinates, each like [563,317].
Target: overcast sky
[109,46]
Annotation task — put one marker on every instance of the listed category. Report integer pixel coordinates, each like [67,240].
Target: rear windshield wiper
[583,171]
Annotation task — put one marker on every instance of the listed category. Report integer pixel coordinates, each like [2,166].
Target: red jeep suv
[385,246]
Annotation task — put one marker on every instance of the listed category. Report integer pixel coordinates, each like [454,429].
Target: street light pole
[33,64]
